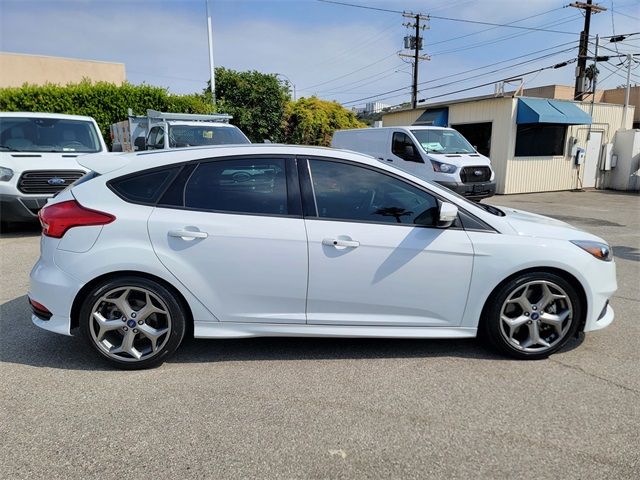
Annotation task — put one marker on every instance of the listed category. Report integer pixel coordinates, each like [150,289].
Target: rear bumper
[21,209]
[474,191]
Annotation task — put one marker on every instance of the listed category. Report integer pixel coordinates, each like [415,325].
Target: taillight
[56,219]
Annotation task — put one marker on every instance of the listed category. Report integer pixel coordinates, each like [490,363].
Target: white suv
[297,241]
[38,157]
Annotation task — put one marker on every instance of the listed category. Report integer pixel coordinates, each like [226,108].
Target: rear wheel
[132,322]
[533,315]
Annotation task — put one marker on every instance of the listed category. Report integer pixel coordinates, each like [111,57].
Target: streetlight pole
[211,65]
[293,86]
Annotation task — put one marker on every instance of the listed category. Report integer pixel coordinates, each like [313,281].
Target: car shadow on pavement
[20,230]
[21,342]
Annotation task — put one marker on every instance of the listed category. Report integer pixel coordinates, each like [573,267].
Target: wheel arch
[557,271]
[77,301]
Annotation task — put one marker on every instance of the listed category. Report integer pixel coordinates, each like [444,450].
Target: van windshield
[442,141]
[33,134]
[197,135]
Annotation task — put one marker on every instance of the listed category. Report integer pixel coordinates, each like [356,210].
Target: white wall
[626,146]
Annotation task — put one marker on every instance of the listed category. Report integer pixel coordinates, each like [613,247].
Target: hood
[105,162]
[23,161]
[534,225]
[460,159]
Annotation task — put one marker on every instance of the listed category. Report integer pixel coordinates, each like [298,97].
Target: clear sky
[335,52]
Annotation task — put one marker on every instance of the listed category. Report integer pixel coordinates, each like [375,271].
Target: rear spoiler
[104,162]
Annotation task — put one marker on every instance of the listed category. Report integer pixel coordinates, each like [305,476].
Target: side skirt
[246,330]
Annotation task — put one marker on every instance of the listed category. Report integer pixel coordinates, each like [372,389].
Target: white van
[437,154]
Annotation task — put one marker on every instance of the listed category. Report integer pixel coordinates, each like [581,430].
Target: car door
[405,154]
[232,232]
[375,256]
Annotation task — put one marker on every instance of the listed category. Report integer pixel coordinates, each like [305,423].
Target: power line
[476,22]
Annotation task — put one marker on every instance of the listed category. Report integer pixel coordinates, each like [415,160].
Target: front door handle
[338,242]
[188,234]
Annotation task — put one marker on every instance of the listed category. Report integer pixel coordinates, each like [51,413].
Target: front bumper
[474,191]
[21,209]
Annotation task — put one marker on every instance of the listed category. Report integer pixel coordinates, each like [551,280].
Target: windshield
[196,135]
[25,134]
[442,141]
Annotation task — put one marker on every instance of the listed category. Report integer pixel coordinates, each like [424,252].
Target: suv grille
[47,181]
[475,174]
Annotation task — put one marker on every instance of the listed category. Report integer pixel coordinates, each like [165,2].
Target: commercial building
[375,107]
[16,69]
[539,144]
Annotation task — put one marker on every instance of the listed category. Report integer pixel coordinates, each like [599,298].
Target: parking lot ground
[326,408]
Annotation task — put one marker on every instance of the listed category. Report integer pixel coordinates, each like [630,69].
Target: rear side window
[252,186]
[144,187]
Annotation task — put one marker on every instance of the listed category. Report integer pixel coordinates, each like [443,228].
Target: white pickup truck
[38,158]
[160,130]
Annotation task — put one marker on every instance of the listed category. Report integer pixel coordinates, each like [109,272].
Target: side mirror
[447,215]
[140,143]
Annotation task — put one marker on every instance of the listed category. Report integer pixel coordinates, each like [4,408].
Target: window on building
[540,140]
[478,135]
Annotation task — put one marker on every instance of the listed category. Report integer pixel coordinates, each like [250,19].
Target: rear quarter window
[144,187]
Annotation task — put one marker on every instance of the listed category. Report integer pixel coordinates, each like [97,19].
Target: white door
[228,234]
[369,261]
[592,160]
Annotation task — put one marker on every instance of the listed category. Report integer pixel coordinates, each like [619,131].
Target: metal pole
[593,84]
[414,90]
[626,93]
[211,65]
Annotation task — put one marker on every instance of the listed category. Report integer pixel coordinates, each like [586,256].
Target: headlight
[601,251]
[443,167]
[5,174]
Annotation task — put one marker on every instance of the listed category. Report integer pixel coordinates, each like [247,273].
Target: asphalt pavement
[327,408]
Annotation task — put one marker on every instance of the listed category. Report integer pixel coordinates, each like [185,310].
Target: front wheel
[133,322]
[532,315]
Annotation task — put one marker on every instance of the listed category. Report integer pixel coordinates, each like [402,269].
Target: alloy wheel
[130,323]
[536,316]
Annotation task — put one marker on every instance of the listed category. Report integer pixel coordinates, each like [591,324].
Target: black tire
[174,308]
[490,328]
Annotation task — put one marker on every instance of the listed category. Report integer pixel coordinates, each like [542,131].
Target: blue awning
[438,117]
[543,110]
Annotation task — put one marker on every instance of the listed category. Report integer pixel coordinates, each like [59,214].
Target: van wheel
[132,322]
[532,315]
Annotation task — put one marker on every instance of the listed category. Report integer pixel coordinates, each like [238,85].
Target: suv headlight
[443,167]
[601,251]
[6,174]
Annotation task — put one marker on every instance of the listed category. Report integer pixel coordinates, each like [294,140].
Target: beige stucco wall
[18,69]
[617,96]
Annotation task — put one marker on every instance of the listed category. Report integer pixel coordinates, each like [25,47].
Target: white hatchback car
[276,240]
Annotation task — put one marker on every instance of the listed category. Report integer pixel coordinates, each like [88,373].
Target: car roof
[58,116]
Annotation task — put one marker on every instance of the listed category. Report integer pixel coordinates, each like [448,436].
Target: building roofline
[60,58]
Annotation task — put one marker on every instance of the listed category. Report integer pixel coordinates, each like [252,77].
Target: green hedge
[105,102]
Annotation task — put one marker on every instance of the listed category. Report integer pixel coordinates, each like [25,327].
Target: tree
[257,101]
[311,121]
[591,73]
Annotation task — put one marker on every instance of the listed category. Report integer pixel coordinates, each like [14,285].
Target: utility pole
[588,7]
[415,42]
[211,65]
[626,93]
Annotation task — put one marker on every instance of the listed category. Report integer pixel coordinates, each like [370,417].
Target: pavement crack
[593,375]
[627,298]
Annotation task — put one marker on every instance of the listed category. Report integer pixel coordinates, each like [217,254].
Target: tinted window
[403,147]
[144,187]
[195,135]
[540,140]
[243,186]
[354,193]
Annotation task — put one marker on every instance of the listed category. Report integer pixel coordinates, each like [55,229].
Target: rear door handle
[187,234]
[338,242]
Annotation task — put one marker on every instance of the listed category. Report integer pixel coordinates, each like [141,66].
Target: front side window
[403,147]
[442,141]
[348,192]
[252,186]
[25,134]
[540,140]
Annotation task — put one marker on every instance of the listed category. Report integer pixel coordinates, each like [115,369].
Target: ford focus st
[269,240]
